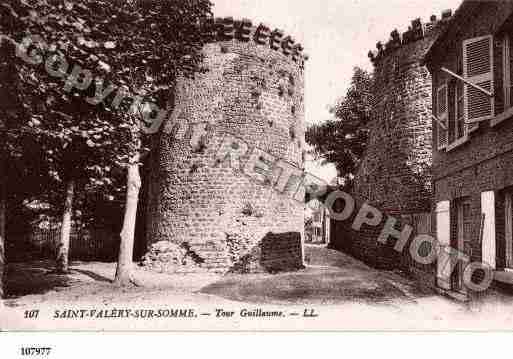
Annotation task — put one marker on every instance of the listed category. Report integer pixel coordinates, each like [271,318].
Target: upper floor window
[467,98]
[442,115]
[478,69]
[459,111]
[453,128]
[317,217]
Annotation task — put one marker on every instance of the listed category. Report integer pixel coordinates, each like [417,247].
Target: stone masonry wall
[254,92]
[395,174]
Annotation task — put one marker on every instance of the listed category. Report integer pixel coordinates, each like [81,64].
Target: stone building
[473,132]
[395,173]
[252,90]
[318,230]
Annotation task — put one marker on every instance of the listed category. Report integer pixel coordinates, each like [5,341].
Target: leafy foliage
[139,46]
[343,140]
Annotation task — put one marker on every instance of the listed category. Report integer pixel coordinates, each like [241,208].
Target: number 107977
[35,351]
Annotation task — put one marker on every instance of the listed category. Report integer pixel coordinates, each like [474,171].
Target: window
[458,128]
[478,69]
[317,216]
[469,97]
[509,65]
[442,115]
[507,81]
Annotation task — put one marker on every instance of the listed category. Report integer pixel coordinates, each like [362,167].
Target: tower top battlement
[228,28]
[416,31]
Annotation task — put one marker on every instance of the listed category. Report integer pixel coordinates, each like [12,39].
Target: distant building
[318,231]
[473,138]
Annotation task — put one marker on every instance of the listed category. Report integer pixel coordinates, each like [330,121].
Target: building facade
[471,69]
[251,90]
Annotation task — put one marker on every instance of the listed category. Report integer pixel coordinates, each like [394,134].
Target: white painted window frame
[451,146]
[463,139]
[502,117]
[506,70]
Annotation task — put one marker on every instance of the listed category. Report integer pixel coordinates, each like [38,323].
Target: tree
[3,203]
[124,275]
[3,161]
[12,120]
[173,28]
[80,139]
[135,58]
[343,140]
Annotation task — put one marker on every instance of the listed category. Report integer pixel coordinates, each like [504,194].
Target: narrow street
[331,277]
[347,293]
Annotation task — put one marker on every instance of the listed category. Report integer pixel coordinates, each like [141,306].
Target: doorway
[463,231]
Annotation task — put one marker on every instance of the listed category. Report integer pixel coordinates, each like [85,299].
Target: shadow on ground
[39,277]
[33,278]
[95,276]
[331,278]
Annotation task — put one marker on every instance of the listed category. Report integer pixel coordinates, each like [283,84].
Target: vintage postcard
[275,165]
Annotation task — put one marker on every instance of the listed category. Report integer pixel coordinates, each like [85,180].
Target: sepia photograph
[255,166]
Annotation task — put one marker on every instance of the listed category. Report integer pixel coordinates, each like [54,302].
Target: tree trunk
[126,249]
[3,214]
[64,240]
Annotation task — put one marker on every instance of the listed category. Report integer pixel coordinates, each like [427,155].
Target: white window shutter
[488,241]
[442,114]
[478,69]
[506,71]
[508,231]
[443,235]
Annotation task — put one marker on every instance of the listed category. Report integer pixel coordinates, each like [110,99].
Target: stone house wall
[485,162]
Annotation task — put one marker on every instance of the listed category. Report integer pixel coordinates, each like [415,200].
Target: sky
[337,35]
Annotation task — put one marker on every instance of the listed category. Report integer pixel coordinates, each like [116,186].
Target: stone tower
[395,173]
[251,89]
